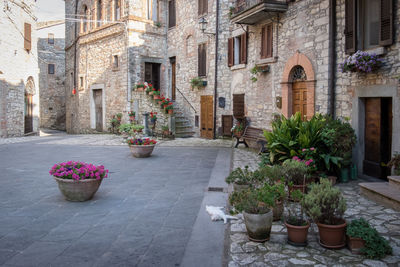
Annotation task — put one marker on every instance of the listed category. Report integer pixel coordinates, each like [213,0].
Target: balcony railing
[251,11]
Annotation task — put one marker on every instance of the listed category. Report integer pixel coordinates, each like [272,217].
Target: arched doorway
[298,87]
[28,107]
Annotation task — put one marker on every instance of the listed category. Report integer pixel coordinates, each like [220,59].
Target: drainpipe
[332,58]
[216,67]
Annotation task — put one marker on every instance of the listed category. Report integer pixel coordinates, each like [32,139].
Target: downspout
[75,64]
[332,58]
[216,67]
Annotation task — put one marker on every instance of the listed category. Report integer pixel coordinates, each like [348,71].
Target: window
[81,82]
[117,9]
[50,38]
[171,14]
[115,62]
[203,7]
[99,14]
[85,18]
[368,24]
[152,74]
[267,41]
[50,68]
[27,36]
[238,106]
[202,59]
[237,50]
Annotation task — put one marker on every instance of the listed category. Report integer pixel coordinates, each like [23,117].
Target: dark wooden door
[299,101]
[238,106]
[227,124]
[173,78]
[28,113]
[98,105]
[152,74]
[207,117]
[378,136]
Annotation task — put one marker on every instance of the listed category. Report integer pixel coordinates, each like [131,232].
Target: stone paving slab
[276,251]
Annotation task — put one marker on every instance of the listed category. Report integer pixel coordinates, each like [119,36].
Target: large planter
[277,210]
[81,190]
[258,226]
[240,187]
[297,235]
[332,236]
[355,244]
[141,151]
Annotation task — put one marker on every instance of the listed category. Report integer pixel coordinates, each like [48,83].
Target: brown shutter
[243,49]
[200,8]
[172,14]
[386,16]
[202,57]
[263,42]
[205,6]
[230,52]
[238,106]
[269,41]
[350,29]
[27,36]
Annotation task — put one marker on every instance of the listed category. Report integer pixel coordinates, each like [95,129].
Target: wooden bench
[252,134]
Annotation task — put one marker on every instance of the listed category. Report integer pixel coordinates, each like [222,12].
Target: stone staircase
[183,127]
[385,193]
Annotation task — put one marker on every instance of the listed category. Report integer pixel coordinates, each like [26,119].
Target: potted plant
[115,123]
[364,239]
[326,206]
[296,174]
[278,190]
[295,222]
[198,83]
[149,88]
[140,87]
[153,117]
[395,164]
[141,147]
[256,205]
[241,179]
[165,130]
[156,95]
[135,128]
[169,108]
[361,62]
[78,181]
[125,129]
[132,115]
[238,129]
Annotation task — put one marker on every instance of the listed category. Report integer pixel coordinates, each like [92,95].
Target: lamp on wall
[203,26]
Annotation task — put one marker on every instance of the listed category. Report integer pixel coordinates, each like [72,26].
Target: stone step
[382,193]
[394,181]
[178,127]
[184,135]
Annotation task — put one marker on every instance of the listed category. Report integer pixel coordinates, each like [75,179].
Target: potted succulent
[132,116]
[241,179]
[364,239]
[256,205]
[78,181]
[141,147]
[295,222]
[296,174]
[326,206]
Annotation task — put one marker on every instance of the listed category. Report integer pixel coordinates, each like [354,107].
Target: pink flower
[304,149]
[312,149]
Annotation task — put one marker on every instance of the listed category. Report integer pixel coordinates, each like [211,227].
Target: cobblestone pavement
[276,252]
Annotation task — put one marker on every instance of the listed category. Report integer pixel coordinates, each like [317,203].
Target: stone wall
[17,67]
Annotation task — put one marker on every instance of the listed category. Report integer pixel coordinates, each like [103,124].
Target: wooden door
[378,133]
[207,117]
[28,113]
[227,124]
[173,78]
[299,98]
[152,74]
[98,106]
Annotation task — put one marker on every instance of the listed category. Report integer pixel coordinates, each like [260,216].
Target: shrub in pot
[325,205]
[241,178]
[125,129]
[271,174]
[364,239]
[256,205]
[296,174]
[295,221]
[279,193]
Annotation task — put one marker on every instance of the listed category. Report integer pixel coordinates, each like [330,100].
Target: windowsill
[238,67]
[265,61]
[171,28]
[115,69]
[380,50]
[81,89]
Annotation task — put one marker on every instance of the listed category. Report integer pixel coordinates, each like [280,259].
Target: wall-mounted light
[203,26]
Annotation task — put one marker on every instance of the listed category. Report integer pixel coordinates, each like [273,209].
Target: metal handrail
[186,99]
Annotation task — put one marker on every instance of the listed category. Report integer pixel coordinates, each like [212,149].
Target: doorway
[28,109]
[207,116]
[173,77]
[378,136]
[98,109]
[299,101]
[152,74]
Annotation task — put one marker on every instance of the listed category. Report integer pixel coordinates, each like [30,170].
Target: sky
[50,9]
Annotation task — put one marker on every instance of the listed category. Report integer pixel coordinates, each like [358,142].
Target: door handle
[210,129]
[203,128]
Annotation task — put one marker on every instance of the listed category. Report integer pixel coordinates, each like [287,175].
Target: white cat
[217,213]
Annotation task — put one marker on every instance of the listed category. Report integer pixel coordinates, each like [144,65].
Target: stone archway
[296,60]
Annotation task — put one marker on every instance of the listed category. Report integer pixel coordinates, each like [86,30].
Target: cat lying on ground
[217,213]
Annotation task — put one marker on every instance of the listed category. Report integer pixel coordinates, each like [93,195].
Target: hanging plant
[256,70]
[198,83]
[361,62]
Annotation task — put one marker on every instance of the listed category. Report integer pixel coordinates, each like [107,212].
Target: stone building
[19,91]
[51,44]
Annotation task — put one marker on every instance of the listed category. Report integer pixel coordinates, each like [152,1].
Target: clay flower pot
[297,235]
[332,236]
[278,210]
[355,244]
[78,190]
[155,97]
[258,226]
[170,111]
[141,151]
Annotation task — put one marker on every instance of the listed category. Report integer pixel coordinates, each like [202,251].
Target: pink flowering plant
[78,171]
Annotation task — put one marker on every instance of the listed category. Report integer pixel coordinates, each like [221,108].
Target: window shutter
[200,8]
[230,52]
[269,41]
[243,49]
[350,29]
[238,106]
[205,6]
[263,42]
[386,30]
[172,14]
[202,57]
[27,36]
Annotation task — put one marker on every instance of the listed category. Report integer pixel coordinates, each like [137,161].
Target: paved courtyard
[144,214]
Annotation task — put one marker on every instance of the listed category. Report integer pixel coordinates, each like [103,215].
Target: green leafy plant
[376,246]
[136,128]
[296,172]
[118,116]
[324,203]
[271,174]
[165,128]
[157,24]
[395,163]
[114,124]
[241,176]
[198,83]
[253,200]
[125,128]
[295,212]
[256,70]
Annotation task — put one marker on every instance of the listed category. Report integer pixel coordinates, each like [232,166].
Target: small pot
[278,210]
[78,191]
[141,151]
[258,226]
[332,236]
[355,244]
[240,187]
[170,111]
[297,234]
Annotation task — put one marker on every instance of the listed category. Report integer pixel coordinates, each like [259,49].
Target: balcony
[252,11]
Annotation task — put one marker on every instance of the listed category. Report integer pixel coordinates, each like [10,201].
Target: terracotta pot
[155,97]
[79,191]
[140,89]
[278,210]
[141,151]
[332,236]
[170,111]
[297,234]
[240,187]
[258,226]
[355,244]
[151,93]
[301,187]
